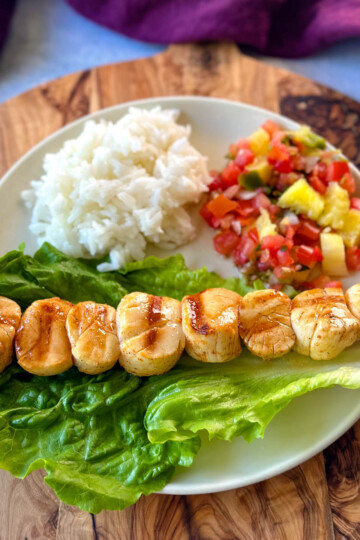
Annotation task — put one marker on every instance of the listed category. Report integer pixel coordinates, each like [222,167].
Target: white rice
[118,186]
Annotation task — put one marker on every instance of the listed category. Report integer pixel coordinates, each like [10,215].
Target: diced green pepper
[250,180]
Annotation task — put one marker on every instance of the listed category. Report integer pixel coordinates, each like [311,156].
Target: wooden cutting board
[319,499]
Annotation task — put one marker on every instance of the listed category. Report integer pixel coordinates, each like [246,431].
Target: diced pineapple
[303,199]
[262,167]
[259,142]
[350,231]
[264,225]
[337,205]
[308,138]
[333,250]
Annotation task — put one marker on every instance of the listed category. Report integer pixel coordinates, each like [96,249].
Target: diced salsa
[284,210]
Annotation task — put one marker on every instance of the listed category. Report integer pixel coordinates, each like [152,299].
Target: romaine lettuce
[104,440]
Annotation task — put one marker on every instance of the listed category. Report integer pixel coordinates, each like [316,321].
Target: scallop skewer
[10,315]
[210,322]
[153,331]
[41,342]
[352,297]
[91,329]
[323,324]
[150,334]
[265,325]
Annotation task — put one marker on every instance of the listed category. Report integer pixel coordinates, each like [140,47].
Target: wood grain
[309,502]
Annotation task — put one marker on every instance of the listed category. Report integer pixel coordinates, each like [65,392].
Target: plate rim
[176,488]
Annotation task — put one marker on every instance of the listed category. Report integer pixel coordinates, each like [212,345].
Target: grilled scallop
[10,315]
[41,343]
[322,323]
[210,322]
[352,297]
[94,343]
[150,334]
[264,323]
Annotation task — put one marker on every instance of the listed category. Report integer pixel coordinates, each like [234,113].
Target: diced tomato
[319,282]
[307,255]
[321,171]
[254,235]
[247,208]
[244,157]
[273,210]
[309,230]
[353,258]
[347,182]
[243,251]
[317,184]
[333,285]
[355,203]
[243,143]
[280,158]
[216,184]
[209,217]
[235,147]
[284,257]
[291,231]
[220,206]
[273,242]
[229,175]
[225,242]
[278,272]
[271,127]
[336,170]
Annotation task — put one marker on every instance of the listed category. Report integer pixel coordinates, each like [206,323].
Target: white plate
[309,423]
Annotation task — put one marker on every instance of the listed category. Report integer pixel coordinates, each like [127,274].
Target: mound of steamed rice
[118,186]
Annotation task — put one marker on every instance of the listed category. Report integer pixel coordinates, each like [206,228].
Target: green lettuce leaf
[240,397]
[105,440]
[51,273]
[88,434]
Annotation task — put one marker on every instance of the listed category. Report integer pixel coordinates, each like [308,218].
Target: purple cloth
[289,28]
[6,10]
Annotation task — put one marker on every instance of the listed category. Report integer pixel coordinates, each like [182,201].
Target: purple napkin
[277,27]
[6,10]
[289,28]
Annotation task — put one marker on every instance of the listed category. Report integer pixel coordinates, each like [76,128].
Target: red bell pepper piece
[221,205]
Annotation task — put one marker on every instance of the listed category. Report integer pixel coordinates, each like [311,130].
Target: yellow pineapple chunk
[303,199]
[333,250]
[262,167]
[337,205]
[264,225]
[350,231]
[259,142]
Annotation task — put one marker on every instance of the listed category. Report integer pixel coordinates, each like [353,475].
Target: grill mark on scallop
[197,316]
[154,310]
